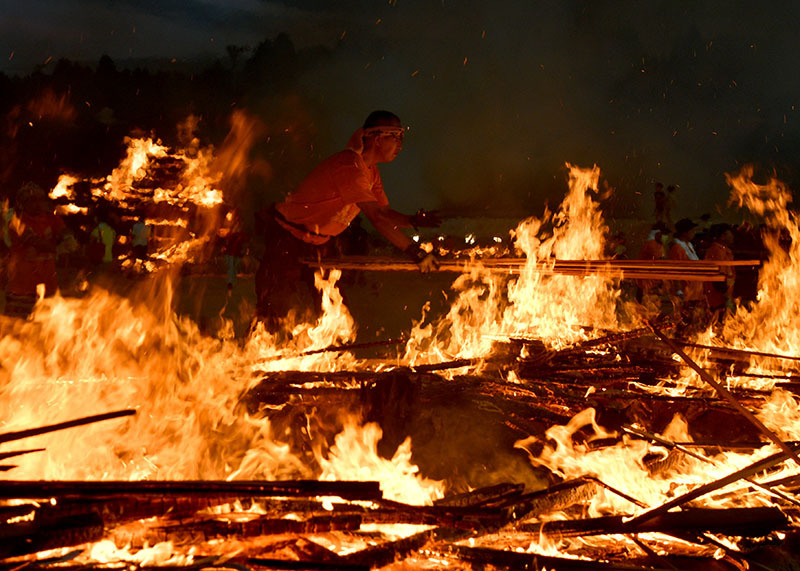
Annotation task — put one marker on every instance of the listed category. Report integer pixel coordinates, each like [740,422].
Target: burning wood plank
[20,434]
[749,522]
[350,490]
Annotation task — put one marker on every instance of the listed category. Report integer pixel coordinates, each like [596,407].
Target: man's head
[658,231]
[685,228]
[383,136]
[722,233]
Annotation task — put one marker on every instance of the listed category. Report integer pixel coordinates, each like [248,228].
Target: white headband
[387,129]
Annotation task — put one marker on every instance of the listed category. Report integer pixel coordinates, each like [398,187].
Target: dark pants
[283,282]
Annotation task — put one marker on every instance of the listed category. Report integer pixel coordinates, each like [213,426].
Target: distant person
[618,247]
[140,239]
[234,246]
[659,203]
[652,249]
[747,245]
[6,214]
[689,292]
[101,239]
[669,211]
[322,207]
[34,234]
[702,236]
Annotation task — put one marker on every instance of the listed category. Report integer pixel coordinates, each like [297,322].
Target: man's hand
[425,219]
[426,261]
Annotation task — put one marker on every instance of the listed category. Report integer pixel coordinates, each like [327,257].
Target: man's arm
[388,222]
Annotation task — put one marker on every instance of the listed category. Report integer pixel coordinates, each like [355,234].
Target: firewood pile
[482,523]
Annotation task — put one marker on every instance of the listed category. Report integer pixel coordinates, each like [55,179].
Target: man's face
[389,145]
[387,141]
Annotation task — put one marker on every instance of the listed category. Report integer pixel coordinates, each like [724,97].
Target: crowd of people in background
[686,239]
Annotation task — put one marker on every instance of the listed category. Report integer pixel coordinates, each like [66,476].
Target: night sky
[498,95]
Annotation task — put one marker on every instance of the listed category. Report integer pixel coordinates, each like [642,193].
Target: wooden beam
[20,434]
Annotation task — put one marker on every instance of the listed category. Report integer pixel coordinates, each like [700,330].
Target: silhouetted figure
[659,202]
[652,249]
[100,249]
[234,246]
[702,236]
[140,239]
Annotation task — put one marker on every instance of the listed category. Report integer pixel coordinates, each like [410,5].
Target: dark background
[498,95]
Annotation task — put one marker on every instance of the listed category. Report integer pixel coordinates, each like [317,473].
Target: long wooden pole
[18,435]
[690,270]
[739,352]
[349,490]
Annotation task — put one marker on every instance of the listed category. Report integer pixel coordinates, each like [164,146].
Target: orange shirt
[651,250]
[692,290]
[326,201]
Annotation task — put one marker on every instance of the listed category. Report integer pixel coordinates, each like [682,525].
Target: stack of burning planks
[308,524]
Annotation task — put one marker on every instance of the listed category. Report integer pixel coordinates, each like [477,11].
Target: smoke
[498,96]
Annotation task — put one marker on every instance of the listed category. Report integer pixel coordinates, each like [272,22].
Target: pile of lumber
[480,524]
[293,527]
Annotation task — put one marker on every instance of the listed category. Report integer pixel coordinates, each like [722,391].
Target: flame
[103,352]
[772,324]
[63,187]
[182,187]
[354,456]
[553,308]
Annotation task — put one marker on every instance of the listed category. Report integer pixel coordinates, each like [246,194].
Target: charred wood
[383,554]
[489,495]
[750,522]
[243,488]
[514,560]
[304,565]
[31,537]
[726,394]
[5,455]
[17,435]
[194,531]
